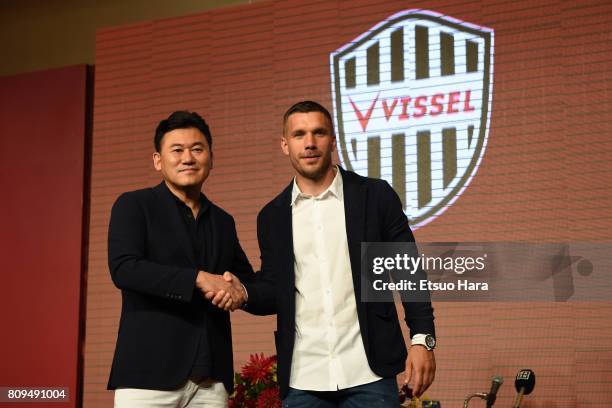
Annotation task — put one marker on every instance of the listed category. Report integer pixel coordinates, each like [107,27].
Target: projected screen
[412,101]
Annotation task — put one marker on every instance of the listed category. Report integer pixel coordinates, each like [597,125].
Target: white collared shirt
[328,353]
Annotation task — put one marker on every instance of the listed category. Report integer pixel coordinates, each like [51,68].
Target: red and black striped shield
[412,102]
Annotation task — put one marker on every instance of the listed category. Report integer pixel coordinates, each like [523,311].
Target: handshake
[224,291]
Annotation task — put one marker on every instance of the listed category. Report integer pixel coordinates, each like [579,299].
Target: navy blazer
[162,312]
[373,213]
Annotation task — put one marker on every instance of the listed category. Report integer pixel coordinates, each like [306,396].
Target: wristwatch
[426,340]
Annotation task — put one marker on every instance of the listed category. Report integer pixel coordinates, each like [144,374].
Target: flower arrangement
[407,400]
[256,384]
[421,403]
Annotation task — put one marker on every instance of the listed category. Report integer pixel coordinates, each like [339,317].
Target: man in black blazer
[167,246]
[333,349]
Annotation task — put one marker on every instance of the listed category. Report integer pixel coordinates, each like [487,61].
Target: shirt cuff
[246,297]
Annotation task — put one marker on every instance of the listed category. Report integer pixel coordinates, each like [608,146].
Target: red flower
[269,398]
[258,368]
[238,399]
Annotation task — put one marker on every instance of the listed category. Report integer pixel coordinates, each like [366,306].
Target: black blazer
[152,262]
[373,213]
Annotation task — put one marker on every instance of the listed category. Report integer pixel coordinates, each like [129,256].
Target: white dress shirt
[328,354]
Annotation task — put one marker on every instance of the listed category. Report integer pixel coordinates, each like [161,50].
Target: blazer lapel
[215,239]
[284,232]
[355,196]
[177,225]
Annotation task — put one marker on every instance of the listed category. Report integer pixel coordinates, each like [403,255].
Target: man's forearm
[143,276]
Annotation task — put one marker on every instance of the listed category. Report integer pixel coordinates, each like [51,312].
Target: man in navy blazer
[167,246]
[333,349]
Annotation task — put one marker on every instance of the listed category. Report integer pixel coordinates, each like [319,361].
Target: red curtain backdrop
[43,142]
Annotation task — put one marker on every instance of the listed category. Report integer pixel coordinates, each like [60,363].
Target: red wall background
[42,177]
[545,176]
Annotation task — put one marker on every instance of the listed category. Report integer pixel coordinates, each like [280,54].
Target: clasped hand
[224,291]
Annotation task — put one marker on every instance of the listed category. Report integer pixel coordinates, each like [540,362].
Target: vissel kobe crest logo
[412,101]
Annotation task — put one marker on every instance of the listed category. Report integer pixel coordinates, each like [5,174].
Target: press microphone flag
[524,384]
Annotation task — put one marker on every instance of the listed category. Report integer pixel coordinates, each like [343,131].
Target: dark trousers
[379,394]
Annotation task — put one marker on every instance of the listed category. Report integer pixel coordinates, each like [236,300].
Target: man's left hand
[420,369]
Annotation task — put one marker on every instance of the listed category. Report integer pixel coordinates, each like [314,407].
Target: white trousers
[191,395]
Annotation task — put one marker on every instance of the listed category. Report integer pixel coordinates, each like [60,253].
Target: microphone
[490,397]
[496,382]
[524,384]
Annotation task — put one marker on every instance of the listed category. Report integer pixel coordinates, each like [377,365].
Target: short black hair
[181,120]
[307,107]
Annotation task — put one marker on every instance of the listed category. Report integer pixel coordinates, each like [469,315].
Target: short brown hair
[307,107]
